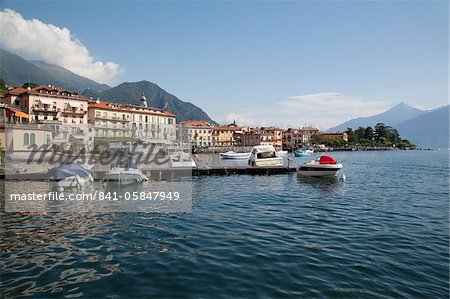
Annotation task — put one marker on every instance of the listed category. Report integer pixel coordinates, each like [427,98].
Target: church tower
[143,100]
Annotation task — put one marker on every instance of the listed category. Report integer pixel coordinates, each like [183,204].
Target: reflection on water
[379,234]
[101,197]
[326,184]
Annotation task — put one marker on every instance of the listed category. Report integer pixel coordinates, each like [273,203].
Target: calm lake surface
[383,232]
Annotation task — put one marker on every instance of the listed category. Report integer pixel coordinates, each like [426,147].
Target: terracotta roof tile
[129,108]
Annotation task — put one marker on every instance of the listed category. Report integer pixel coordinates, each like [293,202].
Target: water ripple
[380,234]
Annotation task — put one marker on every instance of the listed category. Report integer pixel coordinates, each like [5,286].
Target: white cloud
[54,45]
[323,110]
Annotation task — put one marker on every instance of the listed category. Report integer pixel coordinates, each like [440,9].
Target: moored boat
[181,159]
[322,148]
[126,173]
[324,166]
[233,155]
[282,153]
[69,175]
[302,154]
[264,155]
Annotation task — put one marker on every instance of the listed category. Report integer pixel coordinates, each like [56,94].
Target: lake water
[383,232]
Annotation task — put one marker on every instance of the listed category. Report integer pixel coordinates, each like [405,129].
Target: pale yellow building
[230,135]
[197,132]
[138,121]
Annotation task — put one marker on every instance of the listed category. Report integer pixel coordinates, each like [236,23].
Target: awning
[46,101]
[74,104]
[22,114]
[18,113]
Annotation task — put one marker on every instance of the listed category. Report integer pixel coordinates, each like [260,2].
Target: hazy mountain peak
[429,129]
[396,115]
[130,92]
[16,71]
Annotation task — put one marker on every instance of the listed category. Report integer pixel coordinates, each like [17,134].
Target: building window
[32,139]
[26,139]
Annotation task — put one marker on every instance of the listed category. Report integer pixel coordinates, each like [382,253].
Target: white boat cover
[263,148]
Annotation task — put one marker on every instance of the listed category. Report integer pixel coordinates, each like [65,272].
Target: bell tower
[143,100]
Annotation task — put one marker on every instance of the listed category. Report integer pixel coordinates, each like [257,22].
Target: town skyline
[246,70]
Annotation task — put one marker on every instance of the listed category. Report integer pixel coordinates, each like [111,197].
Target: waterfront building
[117,120]
[306,134]
[338,135]
[49,104]
[9,117]
[62,112]
[196,132]
[251,137]
[23,138]
[263,136]
[271,136]
[293,138]
[230,135]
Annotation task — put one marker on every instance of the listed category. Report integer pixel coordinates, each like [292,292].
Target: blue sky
[265,63]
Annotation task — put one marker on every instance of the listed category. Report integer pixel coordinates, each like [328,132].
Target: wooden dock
[170,173]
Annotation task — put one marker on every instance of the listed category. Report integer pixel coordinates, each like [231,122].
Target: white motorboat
[233,155]
[302,154]
[324,166]
[125,173]
[322,148]
[70,175]
[181,159]
[282,153]
[264,155]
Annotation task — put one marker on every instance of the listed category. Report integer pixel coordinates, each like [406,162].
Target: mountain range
[15,71]
[394,116]
[131,92]
[425,128]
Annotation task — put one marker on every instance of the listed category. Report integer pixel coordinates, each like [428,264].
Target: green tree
[351,135]
[393,135]
[3,86]
[380,132]
[368,133]
[30,85]
[360,134]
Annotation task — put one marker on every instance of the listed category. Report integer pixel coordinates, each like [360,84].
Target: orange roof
[19,90]
[331,133]
[37,89]
[196,123]
[129,108]
[226,128]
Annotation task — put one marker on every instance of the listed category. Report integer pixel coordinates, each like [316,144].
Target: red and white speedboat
[324,166]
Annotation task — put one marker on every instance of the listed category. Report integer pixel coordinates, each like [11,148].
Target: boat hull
[302,154]
[125,177]
[234,155]
[319,170]
[268,162]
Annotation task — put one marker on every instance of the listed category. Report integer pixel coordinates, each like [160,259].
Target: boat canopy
[327,160]
[263,148]
[66,170]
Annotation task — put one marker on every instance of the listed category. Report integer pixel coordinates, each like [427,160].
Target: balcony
[74,111]
[112,119]
[46,110]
